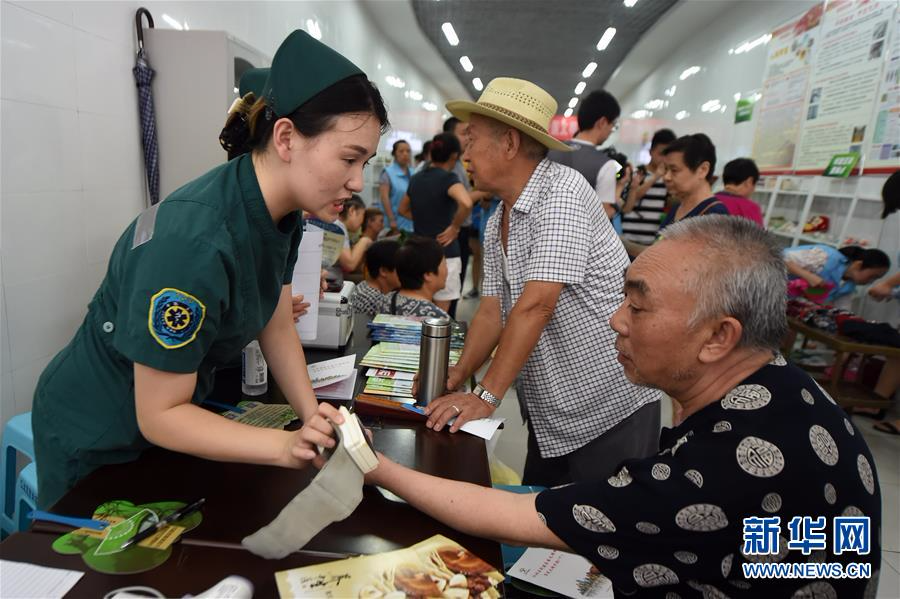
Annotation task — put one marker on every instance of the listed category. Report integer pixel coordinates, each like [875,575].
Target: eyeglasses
[615,126]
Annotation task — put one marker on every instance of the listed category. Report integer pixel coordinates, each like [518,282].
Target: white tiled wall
[72,170]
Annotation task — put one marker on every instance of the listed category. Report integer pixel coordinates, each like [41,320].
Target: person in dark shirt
[437,203]
[690,163]
[760,439]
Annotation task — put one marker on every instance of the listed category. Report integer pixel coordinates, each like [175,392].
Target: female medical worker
[198,276]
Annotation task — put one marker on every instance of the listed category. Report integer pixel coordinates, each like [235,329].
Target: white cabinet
[197,75]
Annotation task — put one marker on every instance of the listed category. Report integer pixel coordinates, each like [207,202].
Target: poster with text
[844,82]
[884,147]
[781,108]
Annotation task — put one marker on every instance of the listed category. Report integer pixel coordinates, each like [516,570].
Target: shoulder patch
[175,317]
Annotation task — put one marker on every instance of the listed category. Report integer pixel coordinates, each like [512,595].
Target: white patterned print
[771,502]
[686,557]
[830,494]
[648,528]
[681,441]
[849,426]
[702,517]
[660,471]
[592,519]
[852,511]
[760,458]
[747,397]
[607,552]
[823,444]
[622,479]
[672,595]
[816,590]
[654,575]
[865,474]
[807,396]
[739,584]
[726,565]
[768,559]
[778,360]
[722,426]
[695,477]
[711,592]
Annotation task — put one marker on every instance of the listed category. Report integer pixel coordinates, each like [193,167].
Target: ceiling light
[682,114]
[671,91]
[630,3]
[654,104]
[689,72]
[429,106]
[580,87]
[711,105]
[395,81]
[450,34]
[413,95]
[568,112]
[476,83]
[589,70]
[237,91]
[750,44]
[312,27]
[606,38]
[573,102]
[737,96]
[640,114]
[172,22]
[466,63]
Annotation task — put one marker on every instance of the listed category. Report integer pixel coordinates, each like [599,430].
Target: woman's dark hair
[371,213]
[397,143]
[443,146]
[425,154]
[417,257]
[890,194]
[696,149]
[354,202]
[381,254]
[870,258]
[739,170]
[251,122]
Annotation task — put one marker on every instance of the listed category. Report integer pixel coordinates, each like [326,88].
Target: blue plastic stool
[512,554]
[17,438]
[26,495]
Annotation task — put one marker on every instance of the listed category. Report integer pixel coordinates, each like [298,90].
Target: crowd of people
[601,287]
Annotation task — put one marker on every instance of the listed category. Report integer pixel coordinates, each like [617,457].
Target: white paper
[565,573]
[331,371]
[339,390]
[307,281]
[483,427]
[25,581]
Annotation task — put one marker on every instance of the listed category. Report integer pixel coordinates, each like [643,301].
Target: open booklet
[436,567]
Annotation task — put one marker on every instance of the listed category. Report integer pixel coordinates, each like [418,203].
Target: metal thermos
[434,359]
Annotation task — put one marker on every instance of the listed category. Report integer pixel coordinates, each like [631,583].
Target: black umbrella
[143,74]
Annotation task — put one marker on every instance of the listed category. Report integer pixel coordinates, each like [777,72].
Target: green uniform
[189,284]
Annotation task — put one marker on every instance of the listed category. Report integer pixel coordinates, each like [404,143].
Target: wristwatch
[486,396]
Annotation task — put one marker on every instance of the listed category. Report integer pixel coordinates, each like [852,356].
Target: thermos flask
[434,359]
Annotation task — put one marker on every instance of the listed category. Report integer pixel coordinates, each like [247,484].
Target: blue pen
[69,520]
[223,406]
[414,408]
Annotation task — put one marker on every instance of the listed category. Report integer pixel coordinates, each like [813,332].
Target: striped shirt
[641,225]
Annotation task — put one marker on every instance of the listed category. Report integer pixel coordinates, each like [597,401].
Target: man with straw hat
[553,278]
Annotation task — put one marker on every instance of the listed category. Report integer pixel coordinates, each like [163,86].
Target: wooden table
[848,394]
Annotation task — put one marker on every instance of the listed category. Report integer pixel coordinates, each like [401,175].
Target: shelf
[812,239]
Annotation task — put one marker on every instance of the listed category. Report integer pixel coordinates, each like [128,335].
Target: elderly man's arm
[480,511]
[523,329]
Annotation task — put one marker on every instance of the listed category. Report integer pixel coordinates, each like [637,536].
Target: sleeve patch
[175,317]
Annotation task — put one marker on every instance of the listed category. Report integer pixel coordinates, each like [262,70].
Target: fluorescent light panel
[477,84]
[580,87]
[573,102]
[466,64]
[606,38]
[589,70]
[450,34]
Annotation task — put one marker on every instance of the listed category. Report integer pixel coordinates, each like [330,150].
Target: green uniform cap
[253,80]
[303,67]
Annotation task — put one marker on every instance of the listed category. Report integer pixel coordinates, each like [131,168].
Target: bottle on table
[434,359]
[254,370]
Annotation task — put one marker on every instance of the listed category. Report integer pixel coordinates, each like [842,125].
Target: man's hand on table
[301,447]
[463,406]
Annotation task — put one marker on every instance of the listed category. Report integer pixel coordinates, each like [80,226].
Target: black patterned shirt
[672,525]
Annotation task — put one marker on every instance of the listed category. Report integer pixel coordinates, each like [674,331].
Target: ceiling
[548,43]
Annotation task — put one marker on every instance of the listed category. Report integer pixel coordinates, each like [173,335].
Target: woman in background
[392,187]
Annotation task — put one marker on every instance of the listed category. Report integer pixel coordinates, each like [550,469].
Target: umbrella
[143,74]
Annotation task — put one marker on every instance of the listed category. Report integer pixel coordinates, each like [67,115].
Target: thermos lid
[436,327]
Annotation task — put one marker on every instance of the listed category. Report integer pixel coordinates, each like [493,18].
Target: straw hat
[518,103]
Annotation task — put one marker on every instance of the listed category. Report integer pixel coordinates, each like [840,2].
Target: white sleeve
[606,182]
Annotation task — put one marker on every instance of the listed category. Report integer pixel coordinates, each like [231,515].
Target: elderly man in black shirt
[702,320]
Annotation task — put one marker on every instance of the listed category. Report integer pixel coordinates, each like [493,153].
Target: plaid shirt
[572,386]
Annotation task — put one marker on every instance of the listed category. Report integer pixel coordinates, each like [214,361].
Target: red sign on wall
[563,127]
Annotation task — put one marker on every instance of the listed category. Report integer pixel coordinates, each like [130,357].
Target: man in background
[646,203]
